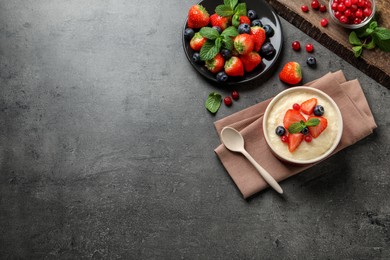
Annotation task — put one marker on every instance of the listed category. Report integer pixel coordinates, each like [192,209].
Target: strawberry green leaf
[357,50]
[353,39]
[227,42]
[231,31]
[224,10]
[312,122]
[296,127]
[208,51]
[240,9]
[236,20]
[209,33]
[213,102]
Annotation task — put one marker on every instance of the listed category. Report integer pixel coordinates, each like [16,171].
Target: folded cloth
[358,123]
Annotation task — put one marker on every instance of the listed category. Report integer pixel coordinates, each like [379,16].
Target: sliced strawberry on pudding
[308,106]
[292,116]
[315,131]
[294,140]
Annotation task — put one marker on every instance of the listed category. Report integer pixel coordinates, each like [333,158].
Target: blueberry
[319,110]
[280,131]
[226,54]
[267,51]
[222,77]
[269,32]
[196,57]
[188,34]
[252,14]
[305,131]
[257,22]
[244,28]
[218,29]
[311,61]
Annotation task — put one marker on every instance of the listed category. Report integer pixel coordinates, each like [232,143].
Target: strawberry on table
[220,21]
[315,131]
[292,116]
[234,67]
[291,73]
[197,42]
[198,17]
[216,64]
[243,43]
[294,140]
[250,61]
[308,106]
[258,36]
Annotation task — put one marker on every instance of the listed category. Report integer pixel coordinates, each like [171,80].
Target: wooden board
[375,63]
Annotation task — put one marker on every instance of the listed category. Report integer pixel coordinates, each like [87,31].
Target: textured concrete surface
[106,150]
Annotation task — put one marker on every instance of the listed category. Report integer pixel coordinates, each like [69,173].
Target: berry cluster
[228,100]
[316,5]
[229,46]
[351,11]
[297,128]
[311,61]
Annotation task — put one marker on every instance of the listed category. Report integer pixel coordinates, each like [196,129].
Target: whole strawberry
[250,61]
[220,21]
[259,36]
[198,17]
[291,73]
[234,67]
[197,42]
[243,43]
[215,64]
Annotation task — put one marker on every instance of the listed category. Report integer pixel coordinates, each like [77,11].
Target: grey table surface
[106,149]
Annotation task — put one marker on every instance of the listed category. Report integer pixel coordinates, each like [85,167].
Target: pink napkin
[357,118]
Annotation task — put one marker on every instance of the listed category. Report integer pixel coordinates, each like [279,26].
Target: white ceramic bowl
[320,147]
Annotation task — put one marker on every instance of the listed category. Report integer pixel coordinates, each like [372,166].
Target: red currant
[343,19]
[228,101]
[296,45]
[296,106]
[315,4]
[367,12]
[367,4]
[360,3]
[338,14]
[334,6]
[235,95]
[354,2]
[347,13]
[357,20]
[309,47]
[347,3]
[284,138]
[359,13]
[323,8]
[305,8]
[354,8]
[341,7]
[324,22]
[308,138]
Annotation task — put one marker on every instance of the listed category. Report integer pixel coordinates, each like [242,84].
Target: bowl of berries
[231,41]
[302,125]
[352,14]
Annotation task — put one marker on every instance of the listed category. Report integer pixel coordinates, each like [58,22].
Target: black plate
[267,16]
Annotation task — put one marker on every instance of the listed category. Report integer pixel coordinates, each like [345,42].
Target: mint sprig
[213,102]
[369,37]
[231,8]
[216,41]
[298,127]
